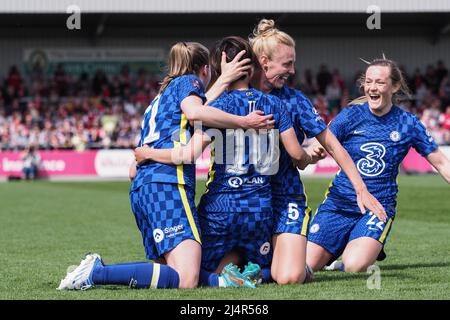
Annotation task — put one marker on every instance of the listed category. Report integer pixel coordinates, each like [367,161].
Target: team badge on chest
[395,136]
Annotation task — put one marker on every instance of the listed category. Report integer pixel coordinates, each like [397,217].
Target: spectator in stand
[324,78]
[441,71]
[339,79]
[108,106]
[14,79]
[444,91]
[99,81]
[307,83]
[444,121]
[416,80]
[61,80]
[333,93]
[431,79]
[31,162]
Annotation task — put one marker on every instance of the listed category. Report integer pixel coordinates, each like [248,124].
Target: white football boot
[81,277]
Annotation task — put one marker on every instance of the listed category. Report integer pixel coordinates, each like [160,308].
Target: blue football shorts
[291,215]
[248,233]
[333,230]
[165,214]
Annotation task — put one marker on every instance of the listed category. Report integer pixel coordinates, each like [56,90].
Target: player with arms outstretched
[377,134]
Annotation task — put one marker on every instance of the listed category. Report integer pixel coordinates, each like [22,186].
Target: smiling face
[278,69]
[379,89]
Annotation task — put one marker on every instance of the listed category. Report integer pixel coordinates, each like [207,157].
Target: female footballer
[276,54]
[162,195]
[377,134]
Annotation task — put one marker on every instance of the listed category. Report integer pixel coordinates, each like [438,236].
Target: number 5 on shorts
[294,214]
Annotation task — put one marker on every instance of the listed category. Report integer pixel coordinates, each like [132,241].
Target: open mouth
[284,77]
[374,97]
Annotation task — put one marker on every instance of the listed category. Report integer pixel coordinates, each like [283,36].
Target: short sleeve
[423,142]
[284,121]
[311,121]
[340,124]
[190,85]
[219,103]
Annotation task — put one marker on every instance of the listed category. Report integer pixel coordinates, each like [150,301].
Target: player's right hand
[233,70]
[257,120]
[317,152]
[366,200]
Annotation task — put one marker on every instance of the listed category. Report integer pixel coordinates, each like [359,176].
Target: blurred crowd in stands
[96,111]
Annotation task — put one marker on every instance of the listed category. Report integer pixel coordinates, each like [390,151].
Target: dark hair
[231,46]
[396,76]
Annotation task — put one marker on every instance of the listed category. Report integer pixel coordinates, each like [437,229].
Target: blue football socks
[137,275]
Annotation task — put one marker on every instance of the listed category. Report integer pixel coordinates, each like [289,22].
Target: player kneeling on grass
[377,134]
[235,212]
[275,51]
[162,195]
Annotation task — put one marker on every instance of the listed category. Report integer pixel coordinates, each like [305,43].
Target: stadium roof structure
[33,19]
[220,6]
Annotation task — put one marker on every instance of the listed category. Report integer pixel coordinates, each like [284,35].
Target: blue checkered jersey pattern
[165,126]
[239,181]
[306,121]
[377,145]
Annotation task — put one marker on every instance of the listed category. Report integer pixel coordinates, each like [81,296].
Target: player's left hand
[257,120]
[140,153]
[366,200]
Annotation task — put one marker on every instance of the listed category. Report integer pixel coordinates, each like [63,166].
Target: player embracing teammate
[250,209]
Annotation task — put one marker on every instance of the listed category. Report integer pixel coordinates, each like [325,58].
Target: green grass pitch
[48,226]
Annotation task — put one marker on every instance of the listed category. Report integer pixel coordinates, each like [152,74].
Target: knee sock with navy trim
[137,275]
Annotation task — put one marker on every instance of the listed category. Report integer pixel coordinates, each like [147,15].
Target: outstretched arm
[441,163]
[363,197]
[299,156]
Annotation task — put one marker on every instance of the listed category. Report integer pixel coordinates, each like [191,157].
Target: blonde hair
[266,38]
[396,76]
[184,58]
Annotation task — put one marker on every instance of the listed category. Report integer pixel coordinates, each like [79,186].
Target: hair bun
[264,27]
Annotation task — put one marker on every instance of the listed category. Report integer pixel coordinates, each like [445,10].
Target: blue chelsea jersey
[306,121]
[165,126]
[377,145]
[240,184]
